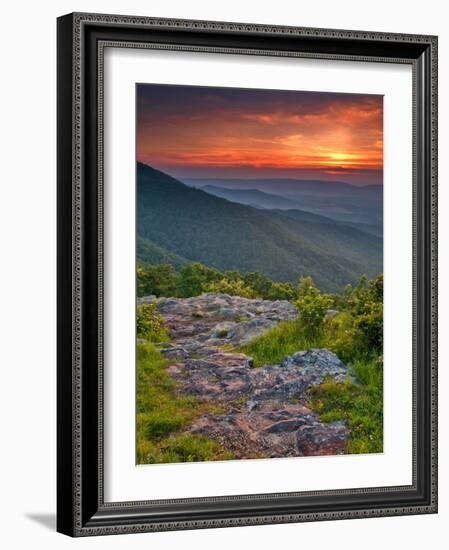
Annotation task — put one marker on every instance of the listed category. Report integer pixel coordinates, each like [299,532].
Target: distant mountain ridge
[187,224]
[281,185]
[303,215]
[337,200]
[252,197]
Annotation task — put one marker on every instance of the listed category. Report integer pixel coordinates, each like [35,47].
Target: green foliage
[161,414]
[281,291]
[365,300]
[194,277]
[159,280]
[341,338]
[370,325]
[366,304]
[267,289]
[259,282]
[232,287]
[312,306]
[150,324]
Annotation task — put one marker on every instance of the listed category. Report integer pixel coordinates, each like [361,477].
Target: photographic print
[259,317]
[221,258]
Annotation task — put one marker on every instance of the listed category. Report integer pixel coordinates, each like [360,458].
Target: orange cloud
[333,136]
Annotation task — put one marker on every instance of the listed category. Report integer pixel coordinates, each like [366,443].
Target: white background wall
[27,286]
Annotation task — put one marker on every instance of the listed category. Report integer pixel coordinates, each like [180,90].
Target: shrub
[281,291]
[194,276]
[366,305]
[234,287]
[370,326]
[340,335]
[150,324]
[260,283]
[312,306]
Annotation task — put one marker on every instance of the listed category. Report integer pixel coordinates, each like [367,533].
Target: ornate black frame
[81,509]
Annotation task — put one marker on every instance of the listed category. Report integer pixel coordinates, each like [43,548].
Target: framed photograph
[247,274]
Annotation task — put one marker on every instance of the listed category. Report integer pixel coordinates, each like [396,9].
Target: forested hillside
[178,224]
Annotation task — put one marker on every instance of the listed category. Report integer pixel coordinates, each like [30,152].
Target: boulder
[322,439]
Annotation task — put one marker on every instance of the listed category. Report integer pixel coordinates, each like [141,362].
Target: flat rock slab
[226,376]
[217,319]
[291,431]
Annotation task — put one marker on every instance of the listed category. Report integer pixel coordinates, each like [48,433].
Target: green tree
[232,275]
[160,280]
[194,276]
[258,282]
[281,291]
[231,287]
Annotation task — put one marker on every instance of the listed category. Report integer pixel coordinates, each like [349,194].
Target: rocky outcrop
[263,418]
[217,319]
[266,411]
[292,430]
[229,375]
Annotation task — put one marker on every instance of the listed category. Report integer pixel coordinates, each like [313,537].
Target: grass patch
[184,448]
[195,448]
[161,413]
[288,337]
[284,339]
[227,346]
[360,405]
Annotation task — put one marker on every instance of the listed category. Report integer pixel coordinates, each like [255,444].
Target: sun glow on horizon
[225,132]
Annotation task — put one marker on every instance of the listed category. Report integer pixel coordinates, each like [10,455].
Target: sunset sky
[203,132]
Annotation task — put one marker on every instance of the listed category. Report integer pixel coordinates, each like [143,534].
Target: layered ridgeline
[364,204]
[178,224]
[336,200]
